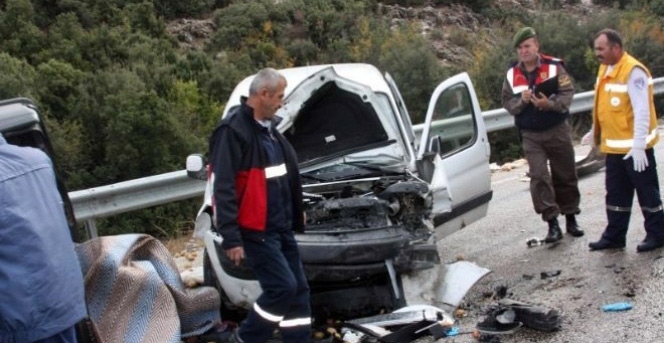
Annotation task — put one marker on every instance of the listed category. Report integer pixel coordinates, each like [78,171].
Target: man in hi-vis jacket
[625,129]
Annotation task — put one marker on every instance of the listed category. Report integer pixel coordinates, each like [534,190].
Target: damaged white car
[378,192]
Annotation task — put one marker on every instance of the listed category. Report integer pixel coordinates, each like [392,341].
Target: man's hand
[540,101]
[526,96]
[639,157]
[235,254]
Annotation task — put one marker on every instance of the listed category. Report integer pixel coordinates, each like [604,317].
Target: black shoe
[604,244]
[572,227]
[649,244]
[555,234]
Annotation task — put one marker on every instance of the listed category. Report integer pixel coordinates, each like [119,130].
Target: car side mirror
[425,166]
[196,167]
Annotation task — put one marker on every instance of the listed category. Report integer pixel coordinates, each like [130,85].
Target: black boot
[572,227]
[555,234]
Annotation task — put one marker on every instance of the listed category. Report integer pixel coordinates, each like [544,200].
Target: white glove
[587,138]
[639,157]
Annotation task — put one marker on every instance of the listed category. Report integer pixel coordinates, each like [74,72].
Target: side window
[453,125]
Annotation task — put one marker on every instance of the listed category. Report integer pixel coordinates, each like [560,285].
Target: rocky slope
[452,30]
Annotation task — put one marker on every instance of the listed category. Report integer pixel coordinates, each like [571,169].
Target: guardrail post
[91,228]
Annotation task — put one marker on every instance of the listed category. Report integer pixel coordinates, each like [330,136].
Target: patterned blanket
[135,294]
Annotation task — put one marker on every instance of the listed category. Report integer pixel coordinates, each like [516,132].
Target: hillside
[453,30]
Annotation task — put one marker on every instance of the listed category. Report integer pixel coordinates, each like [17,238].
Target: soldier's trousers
[554,192]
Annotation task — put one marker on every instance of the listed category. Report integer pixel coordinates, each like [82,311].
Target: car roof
[362,73]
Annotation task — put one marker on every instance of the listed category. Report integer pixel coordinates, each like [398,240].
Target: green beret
[523,34]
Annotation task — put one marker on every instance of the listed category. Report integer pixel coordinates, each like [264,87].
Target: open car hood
[330,119]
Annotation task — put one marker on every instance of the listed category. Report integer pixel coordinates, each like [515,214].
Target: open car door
[454,156]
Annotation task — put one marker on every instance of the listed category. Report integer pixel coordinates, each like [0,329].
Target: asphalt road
[587,280]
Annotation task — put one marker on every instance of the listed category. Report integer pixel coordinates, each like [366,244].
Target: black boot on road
[555,234]
[572,227]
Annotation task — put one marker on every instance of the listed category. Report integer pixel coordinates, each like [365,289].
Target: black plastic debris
[546,275]
[534,316]
[533,242]
[500,292]
[499,320]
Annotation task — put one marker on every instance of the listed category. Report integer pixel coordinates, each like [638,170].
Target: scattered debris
[528,276]
[458,279]
[536,317]
[500,292]
[630,293]
[546,275]
[404,325]
[491,324]
[533,242]
[616,307]
[460,313]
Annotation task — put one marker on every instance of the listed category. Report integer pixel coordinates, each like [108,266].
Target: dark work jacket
[240,193]
[531,118]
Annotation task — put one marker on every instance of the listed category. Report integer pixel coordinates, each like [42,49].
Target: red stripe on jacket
[251,191]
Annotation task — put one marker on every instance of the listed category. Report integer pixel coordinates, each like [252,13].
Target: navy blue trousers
[621,182]
[284,302]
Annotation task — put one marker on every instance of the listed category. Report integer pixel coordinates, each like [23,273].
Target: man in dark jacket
[257,206]
[537,91]
[42,296]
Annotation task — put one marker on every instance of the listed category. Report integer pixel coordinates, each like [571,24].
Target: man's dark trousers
[276,264]
[556,192]
[621,182]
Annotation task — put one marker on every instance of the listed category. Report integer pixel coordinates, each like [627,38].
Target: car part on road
[499,320]
[533,316]
[406,324]
[459,278]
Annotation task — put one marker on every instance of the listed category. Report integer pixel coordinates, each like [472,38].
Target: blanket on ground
[135,294]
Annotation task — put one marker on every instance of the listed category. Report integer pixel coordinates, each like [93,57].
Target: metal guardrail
[105,201]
